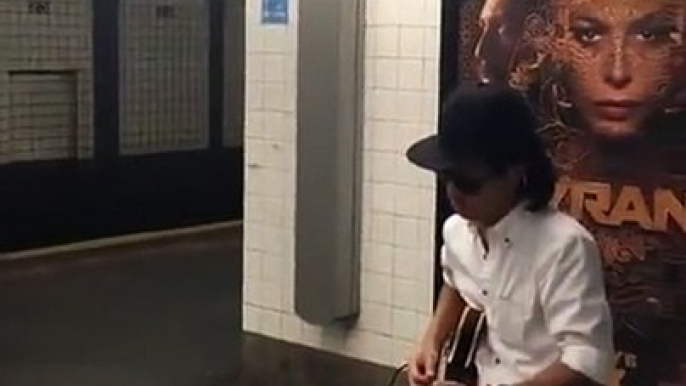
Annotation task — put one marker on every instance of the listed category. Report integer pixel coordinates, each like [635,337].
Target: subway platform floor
[164,312]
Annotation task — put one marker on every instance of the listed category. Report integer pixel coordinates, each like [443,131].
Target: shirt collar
[506,226]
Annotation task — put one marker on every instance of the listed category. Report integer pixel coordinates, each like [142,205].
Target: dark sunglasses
[465,184]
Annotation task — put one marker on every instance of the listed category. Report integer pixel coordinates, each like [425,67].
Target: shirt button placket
[487,274]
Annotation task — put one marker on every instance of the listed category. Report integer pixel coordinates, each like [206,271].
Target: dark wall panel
[49,203]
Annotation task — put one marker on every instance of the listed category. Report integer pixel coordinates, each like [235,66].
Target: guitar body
[458,373]
[459,351]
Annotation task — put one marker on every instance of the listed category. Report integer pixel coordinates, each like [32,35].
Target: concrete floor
[158,313]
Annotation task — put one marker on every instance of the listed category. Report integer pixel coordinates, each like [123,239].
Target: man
[534,271]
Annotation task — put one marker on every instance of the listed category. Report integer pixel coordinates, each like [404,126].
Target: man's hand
[422,366]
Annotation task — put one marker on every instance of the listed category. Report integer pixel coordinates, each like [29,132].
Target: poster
[608,80]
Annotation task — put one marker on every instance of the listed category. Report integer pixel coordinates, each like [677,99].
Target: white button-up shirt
[540,284]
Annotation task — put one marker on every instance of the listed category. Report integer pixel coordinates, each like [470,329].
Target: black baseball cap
[480,123]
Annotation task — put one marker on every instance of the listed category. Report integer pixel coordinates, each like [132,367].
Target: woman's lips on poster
[617,109]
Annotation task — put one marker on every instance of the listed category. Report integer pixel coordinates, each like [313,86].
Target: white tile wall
[164,48]
[57,39]
[401,103]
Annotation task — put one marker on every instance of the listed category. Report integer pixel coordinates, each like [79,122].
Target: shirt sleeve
[447,268]
[576,310]
[448,261]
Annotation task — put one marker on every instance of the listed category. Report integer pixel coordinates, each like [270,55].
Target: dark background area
[56,202]
[449,80]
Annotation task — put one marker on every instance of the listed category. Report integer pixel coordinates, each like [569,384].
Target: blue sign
[274,11]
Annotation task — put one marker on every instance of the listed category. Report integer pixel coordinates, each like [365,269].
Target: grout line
[118,240]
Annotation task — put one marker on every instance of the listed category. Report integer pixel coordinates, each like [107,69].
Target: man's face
[477,193]
[500,22]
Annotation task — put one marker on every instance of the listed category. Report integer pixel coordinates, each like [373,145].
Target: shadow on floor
[164,313]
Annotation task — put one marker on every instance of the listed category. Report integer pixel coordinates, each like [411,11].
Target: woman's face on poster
[500,30]
[621,57]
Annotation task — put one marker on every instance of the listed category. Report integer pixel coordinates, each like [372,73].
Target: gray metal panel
[327,246]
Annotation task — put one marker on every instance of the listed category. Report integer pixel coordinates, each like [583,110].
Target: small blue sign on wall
[274,11]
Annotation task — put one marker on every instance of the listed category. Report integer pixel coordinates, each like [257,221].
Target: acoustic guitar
[457,359]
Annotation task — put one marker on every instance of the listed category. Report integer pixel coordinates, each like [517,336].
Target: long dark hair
[540,177]
[502,132]
[539,182]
